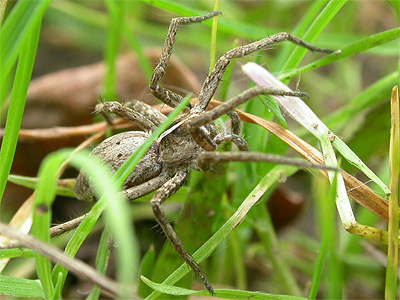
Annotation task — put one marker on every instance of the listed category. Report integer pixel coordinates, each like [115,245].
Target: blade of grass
[12,253]
[116,214]
[369,97]
[65,187]
[214,28]
[17,104]
[350,50]
[221,294]
[299,31]
[103,254]
[265,231]
[327,224]
[20,288]
[3,5]
[116,12]
[323,19]
[13,35]
[394,161]
[146,269]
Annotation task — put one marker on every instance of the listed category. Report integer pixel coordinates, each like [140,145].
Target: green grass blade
[220,294]
[136,48]
[208,247]
[146,269]
[20,288]
[12,253]
[299,31]
[266,232]
[213,44]
[373,95]
[103,254]
[14,32]
[59,274]
[116,13]
[350,50]
[353,159]
[326,205]
[323,19]
[65,189]
[18,98]
[116,212]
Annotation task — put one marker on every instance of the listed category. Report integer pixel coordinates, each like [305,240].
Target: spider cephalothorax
[190,141]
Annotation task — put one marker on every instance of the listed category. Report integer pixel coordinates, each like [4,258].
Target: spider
[191,140]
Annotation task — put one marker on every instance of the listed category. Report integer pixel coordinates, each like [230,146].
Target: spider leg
[145,188]
[167,96]
[147,111]
[205,158]
[128,114]
[236,124]
[236,139]
[191,125]
[211,83]
[167,190]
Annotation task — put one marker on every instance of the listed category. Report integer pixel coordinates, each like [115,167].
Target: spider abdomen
[115,151]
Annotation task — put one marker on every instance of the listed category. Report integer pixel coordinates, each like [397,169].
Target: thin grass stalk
[17,103]
[103,255]
[323,19]
[299,31]
[266,232]
[394,161]
[13,34]
[3,5]
[214,30]
[326,205]
[350,50]
[114,30]
[236,250]
[116,213]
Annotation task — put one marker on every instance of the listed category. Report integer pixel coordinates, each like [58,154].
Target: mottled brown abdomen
[115,151]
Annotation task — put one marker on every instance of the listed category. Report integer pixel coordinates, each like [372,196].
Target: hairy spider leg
[165,95]
[236,139]
[205,158]
[146,111]
[145,188]
[212,81]
[128,114]
[166,191]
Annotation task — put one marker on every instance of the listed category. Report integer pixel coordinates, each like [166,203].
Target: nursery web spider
[192,139]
